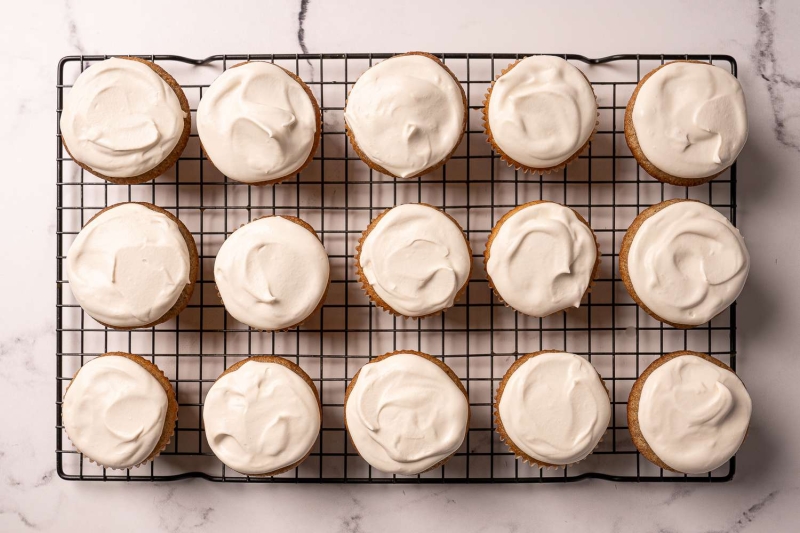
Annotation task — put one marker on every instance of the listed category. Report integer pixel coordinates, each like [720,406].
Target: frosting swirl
[541,111]
[554,407]
[121,119]
[541,258]
[693,414]
[271,273]
[257,123]
[690,119]
[128,266]
[114,411]
[416,259]
[407,114]
[261,418]
[405,414]
[687,263]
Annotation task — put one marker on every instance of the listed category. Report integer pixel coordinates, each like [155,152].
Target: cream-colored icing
[555,408]
[121,119]
[687,263]
[542,258]
[693,414]
[256,123]
[114,411]
[405,414]
[128,266]
[542,111]
[406,113]
[691,119]
[271,273]
[416,259]
[261,417]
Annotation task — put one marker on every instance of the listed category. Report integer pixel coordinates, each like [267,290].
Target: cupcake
[272,273]
[125,120]
[406,412]
[119,410]
[133,265]
[688,412]
[552,408]
[540,114]
[541,258]
[686,122]
[414,261]
[259,123]
[262,416]
[683,262]
[406,115]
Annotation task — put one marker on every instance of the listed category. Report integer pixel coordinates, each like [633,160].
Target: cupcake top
[272,273]
[128,266]
[121,119]
[554,407]
[257,122]
[261,417]
[405,414]
[690,119]
[541,258]
[416,259]
[114,411]
[693,413]
[541,111]
[407,114]
[687,263]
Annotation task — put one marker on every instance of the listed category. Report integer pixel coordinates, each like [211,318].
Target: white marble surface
[761,35]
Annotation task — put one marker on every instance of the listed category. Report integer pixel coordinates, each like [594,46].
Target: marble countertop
[761,35]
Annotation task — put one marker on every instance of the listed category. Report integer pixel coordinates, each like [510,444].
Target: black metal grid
[479,338]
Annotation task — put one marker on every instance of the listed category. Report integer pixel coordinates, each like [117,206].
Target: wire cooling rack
[338,194]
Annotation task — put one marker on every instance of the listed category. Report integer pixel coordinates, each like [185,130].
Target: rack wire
[338,194]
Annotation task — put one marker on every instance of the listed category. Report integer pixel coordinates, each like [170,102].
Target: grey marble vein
[782,89]
[175,516]
[748,516]
[301,31]
[72,28]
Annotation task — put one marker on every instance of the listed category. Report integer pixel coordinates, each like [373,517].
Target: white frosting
[416,259]
[260,418]
[694,414]
[271,273]
[121,119]
[690,119]
[128,266]
[256,123]
[405,414]
[406,113]
[542,111]
[114,411]
[541,260]
[555,408]
[687,263]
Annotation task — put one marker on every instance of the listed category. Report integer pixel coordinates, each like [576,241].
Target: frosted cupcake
[414,260]
[119,410]
[540,114]
[688,412]
[683,262]
[686,122]
[133,265]
[272,273]
[406,115]
[259,123]
[406,412]
[262,416]
[125,120]
[542,258]
[552,408]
